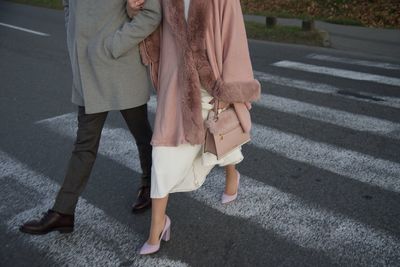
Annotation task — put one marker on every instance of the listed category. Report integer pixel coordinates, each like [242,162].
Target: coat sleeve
[135,31]
[150,54]
[237,83]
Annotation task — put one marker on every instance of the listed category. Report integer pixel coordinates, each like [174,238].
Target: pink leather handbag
[224,132]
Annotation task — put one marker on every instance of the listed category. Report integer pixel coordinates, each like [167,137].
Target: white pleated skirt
[184,168]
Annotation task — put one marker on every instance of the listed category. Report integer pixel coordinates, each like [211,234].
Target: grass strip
[284,34]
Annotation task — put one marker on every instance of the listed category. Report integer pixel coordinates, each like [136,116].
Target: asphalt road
[321,179]
[381,42]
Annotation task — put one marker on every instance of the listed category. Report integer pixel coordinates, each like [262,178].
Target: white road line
[348,74]
[306,225]
[360,167]
[338,236]
[326,89]
[98,240]
[333,116]
[24,29]
[352,61]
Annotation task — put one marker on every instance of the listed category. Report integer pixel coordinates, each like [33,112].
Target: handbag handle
[216,105]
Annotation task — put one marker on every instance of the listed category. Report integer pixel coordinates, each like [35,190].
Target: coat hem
[112,108]
[180,191]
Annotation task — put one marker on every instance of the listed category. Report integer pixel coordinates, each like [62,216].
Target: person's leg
[159,206]
[231,176]
[61,216]
[81,162]
[138,124]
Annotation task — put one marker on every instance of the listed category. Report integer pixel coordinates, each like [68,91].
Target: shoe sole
[61,230]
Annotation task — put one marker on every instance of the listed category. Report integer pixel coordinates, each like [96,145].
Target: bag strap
[216,105]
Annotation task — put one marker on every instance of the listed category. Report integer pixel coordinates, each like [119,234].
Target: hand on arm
[136,30]
[133,7]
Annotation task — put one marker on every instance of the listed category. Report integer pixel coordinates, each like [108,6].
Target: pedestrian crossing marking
[348,74]
[358,62]
[328,115]
[264,205]
[109,243]
[327,89]
[306,225]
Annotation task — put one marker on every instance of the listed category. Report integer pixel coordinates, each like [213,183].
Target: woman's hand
[248,105]
[223,105]
[133,7]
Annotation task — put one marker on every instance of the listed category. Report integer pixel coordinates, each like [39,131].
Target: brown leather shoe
[51,221]
[143,200]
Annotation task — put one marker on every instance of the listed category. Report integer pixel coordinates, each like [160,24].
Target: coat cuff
[237,92]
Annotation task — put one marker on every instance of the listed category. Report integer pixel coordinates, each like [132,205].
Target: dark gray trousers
[85,150]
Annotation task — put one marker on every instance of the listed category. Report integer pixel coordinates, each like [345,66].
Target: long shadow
[13,242]
[362,202]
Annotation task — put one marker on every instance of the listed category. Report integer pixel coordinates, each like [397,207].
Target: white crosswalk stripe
[348,163]
[274,210]
[348,74]
[351,61]
[107,243]
[305,225]
[327,89]
[333,116]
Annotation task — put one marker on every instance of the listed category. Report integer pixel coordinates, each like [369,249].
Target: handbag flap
[226,122]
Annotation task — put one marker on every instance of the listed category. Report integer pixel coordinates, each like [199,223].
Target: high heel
[165,236]
[229,198]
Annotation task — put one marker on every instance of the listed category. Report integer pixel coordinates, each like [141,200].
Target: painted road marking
[351,164]
[328,115]
[351,61]
[310,226]
[327,89]
[24,29]
[109,243]
[348,74]
[274,210]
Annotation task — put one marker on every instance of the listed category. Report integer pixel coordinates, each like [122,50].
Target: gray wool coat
[102,40]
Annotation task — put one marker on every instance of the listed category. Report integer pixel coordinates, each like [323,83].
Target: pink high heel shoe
[229,198]
[165,235]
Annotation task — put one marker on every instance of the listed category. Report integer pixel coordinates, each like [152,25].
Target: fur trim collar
[190,36]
